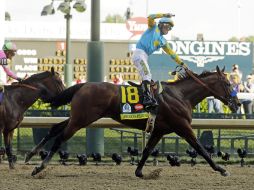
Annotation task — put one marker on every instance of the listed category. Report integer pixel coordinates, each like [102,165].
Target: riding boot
[148,100]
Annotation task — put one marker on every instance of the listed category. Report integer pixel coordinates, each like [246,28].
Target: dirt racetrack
[108,176]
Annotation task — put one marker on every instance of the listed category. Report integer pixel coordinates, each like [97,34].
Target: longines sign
[202,53]
[206,55]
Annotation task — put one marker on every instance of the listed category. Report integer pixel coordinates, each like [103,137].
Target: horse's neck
[194,92]
[24,97]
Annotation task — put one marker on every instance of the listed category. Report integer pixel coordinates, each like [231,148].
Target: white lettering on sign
[32,52]
[211,48]
[136,27]
[26,68]
[205,52]
[30,60]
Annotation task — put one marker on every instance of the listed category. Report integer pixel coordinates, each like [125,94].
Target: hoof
[28,157]
[37,170]
[11,166]
[225,174]
[139,174]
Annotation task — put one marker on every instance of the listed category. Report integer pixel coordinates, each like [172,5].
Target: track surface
[108,176]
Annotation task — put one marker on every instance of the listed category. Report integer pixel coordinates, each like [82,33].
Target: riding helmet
[9,46]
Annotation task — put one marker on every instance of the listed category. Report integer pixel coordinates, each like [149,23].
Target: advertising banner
[204,55]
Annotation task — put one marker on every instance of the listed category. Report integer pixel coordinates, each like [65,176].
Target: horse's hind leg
[54,131]
[189,136]
[64,136]
[153,140]
[8,147]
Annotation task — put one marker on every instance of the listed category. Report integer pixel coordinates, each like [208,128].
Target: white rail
[47,122]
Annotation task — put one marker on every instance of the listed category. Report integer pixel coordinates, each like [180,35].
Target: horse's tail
[65,96]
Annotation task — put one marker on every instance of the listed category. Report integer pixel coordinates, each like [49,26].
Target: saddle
[155,90]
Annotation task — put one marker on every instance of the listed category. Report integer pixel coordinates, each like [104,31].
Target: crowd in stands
[240,85]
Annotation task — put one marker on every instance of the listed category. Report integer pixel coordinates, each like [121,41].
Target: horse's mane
[38,76]
[184,76]
[32,78]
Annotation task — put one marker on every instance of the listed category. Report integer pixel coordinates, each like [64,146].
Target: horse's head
[224,90]
[49,84]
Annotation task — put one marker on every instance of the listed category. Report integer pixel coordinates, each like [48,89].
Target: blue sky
[216,19]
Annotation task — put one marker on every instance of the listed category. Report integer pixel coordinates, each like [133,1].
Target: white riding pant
[140,60]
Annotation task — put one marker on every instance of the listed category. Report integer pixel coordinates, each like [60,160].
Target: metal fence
[118,140]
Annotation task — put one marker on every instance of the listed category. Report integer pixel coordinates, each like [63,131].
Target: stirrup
[151,103]
[150,123]
[147,101]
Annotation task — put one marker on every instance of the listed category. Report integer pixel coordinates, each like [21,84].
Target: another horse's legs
[8,147]
[189,136]
[54,131]
[153,140]
[64,136]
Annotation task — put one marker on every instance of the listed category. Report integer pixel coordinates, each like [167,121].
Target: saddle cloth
[131,101]
[131,106]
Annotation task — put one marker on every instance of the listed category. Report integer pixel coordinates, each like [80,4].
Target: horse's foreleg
[54,131]
[37,148]
[64,136]
[8,147]
[153,140]
[189,136]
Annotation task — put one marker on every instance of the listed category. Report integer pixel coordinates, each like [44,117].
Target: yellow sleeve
[151,19]
[173,55]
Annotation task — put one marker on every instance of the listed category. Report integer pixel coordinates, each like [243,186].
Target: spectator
[236,70]
[78,81]
[118,79]
[248,102]
[214,105]
[237,86]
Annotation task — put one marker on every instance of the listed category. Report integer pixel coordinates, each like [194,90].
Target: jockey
[151,40]
[6,54]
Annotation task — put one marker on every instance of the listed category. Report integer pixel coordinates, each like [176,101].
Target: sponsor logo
[134,116]
[138,107]
[126,108]
[202,60]
[136,25]
[205,52]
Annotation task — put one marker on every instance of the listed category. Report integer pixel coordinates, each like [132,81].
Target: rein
[27,86]
[204,85]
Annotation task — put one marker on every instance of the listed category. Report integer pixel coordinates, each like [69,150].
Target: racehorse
[18,97]
[92,101]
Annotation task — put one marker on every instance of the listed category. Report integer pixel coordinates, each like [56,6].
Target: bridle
[229,95]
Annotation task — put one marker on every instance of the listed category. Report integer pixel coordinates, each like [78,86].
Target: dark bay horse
[18,97]
[92,101]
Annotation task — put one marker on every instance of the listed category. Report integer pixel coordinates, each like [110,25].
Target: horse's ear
[217,69]
[223,69]
[52,70]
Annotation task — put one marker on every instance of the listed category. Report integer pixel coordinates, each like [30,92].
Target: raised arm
[152,17]
[173,55]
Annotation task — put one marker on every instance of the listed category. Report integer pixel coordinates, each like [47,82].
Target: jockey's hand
[19,79]
[184,66]
[169,15]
